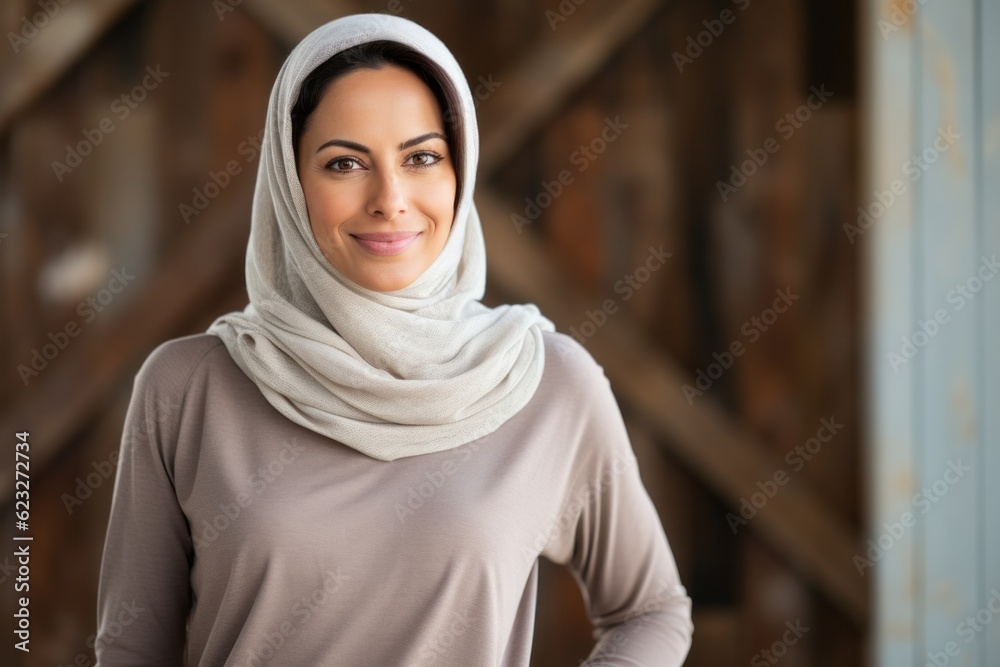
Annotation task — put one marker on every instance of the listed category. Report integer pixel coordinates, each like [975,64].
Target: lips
[385,243]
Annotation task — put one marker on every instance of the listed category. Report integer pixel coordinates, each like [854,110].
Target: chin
[389,282]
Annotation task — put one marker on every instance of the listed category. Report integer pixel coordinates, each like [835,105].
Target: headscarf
[391,374]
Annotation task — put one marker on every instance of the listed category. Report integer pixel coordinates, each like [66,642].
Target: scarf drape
[391,374]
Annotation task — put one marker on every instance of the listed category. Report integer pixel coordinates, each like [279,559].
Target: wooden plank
[947,398]
[811,548]
[535,89]
[207,257]
[703,436]
[887,96]
[722,634]
[50,53]
[95,362]
[291,20]
[755,249]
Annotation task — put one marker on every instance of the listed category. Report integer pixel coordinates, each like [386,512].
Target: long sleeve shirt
[237,537]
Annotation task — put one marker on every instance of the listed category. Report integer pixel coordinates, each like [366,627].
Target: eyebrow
[354,146]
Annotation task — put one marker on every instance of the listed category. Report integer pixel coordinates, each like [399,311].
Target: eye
[343,164]
[423,159]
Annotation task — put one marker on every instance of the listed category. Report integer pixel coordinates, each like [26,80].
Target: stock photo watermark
[303,609]
[59,340]
[121,108]
[966,629]
[30,27]
[581,158]
[562,13]
[440,645]
[753,329]
[923,500]
[224,7]
[696,44]
[126,616]
[85,487]
[218,181]
[565,520]
[914,168]
[263,477]
[426,488]
[779,649]
[796,459]
[959,297]
[786,126]
[627,287]
[166,410]
[633,621]
[900,12]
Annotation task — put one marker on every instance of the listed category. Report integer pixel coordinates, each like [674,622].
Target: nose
[388,198]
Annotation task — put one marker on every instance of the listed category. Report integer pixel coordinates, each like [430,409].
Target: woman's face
[378,178]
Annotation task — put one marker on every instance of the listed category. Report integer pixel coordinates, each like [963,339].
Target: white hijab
[392,374]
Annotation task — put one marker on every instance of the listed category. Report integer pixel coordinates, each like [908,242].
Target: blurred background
[807,379]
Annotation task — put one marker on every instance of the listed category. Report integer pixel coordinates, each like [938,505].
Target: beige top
[238,537]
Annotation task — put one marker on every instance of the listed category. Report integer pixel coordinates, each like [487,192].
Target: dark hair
[377,55]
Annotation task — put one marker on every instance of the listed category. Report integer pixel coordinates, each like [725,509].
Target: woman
[363,466]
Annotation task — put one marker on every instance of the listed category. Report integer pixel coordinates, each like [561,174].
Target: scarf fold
[391,374]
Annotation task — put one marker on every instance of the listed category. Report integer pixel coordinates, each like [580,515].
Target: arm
[615,546]
[144,591]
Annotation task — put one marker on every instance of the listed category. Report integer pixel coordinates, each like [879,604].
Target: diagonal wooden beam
[534,90]
[60,402]
[701,435]
[51,50]
[729,460]
[291,20]
[195,270]
[192,272]
[710,442]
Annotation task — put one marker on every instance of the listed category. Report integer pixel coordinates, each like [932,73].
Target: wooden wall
[689,124]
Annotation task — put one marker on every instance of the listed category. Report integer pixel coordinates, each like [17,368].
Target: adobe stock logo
[122,107]
[29,29]
[697,44]
[923,500]
[87,309]
[797,459]
[753,329]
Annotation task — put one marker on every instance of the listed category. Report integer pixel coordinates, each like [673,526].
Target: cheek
[438,201]
[328,208]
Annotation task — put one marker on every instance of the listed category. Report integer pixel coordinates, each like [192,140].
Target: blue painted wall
[931,192]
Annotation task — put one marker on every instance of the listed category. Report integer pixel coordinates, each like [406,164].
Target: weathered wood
[202,257]
[755,251]
[208,256]
[722,634]
[704,437]
[291,20]
[535,89]
[49,54]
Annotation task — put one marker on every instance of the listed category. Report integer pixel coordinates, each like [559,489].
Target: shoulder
[170,365]
[158,393]
[572,376]
[567,361]
[578,391]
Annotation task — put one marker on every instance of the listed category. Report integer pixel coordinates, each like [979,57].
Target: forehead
[373,102]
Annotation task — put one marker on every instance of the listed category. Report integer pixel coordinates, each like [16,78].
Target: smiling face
[378,178]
